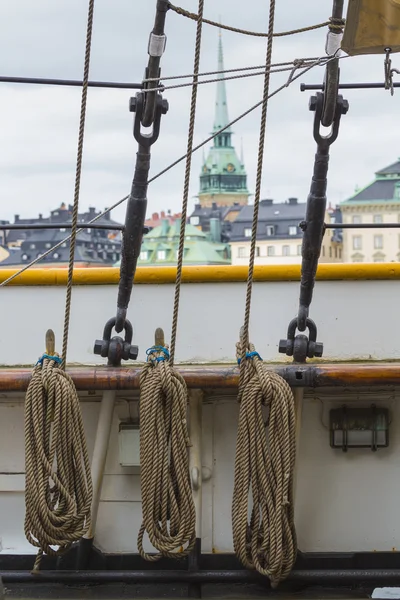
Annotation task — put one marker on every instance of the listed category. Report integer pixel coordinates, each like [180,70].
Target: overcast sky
[38,125]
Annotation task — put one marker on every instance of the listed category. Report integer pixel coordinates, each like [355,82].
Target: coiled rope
[165,477]
[263,465]
[58,485]
[164,474]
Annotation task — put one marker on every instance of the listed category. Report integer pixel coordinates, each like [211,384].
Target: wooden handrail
[219,376]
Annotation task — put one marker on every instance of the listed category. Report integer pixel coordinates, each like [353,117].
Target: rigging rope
[58,486]
[318,62]
[57,513]
[164,464]
[165,478]
[263,466]
[333,24]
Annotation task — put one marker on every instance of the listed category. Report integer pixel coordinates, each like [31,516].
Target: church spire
[221,106]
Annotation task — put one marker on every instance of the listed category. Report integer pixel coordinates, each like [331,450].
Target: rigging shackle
[116,348]
[156,47]
[132,234]
[300,346]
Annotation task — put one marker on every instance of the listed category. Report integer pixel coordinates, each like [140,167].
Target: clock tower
[223,178]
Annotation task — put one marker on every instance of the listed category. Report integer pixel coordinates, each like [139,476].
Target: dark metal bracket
[116,349]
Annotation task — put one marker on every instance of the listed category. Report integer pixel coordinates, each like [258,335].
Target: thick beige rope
[58,485]
[167,504]
[264,464]
[264,472]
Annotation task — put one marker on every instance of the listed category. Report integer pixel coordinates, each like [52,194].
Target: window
[357,242]
[356,220]
[195,220]
[299,250]
[56,255]
[63,230]
[257,250]
[47,245]
[378,242]
[330,251]
[24,257]
[335,251]
[285,250]
[161,254]
[143,255]
[340,253]
[88,230]
[247,232]
[270,250]
[379,259]
[293,230]
[64,245]
[241,252]
[378,219]
[270,230]
[32,246]
[323,250]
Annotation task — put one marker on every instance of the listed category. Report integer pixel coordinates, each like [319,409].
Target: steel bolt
[98,345]
[345,107]
[132,104]
[164,106]
[283,346]
[318,350]
[133,352]
[312,105]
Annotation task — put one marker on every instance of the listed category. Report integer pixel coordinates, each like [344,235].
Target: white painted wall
[344,502]
[355,319]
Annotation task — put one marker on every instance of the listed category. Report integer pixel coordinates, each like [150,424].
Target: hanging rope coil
[264,466]
[167,503]
[58,486]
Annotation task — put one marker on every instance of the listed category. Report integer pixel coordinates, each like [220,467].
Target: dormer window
[293,230]
[270,230]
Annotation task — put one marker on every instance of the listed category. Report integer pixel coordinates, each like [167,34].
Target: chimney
[293,201]
[40,216]
[92,211]
[215,230]
[107,215]
[16,218]
[214,206]
[162,214]
[197,207]
[164,227]
[267,202]
[154,216]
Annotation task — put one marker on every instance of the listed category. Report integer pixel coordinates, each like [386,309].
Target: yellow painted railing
[203,274]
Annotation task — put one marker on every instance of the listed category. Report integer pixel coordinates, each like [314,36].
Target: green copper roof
[221,105]
[160,247]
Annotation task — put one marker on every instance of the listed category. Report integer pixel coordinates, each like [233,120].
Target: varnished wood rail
[219,376]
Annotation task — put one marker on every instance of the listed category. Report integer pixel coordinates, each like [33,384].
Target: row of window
[64,245]
[243,252]
[357,219]
[270,231]
[357,242]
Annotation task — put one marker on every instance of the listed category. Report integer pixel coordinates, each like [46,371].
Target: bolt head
[282,346]
[133,352]
[345,107]
[98,345]
[164,106]
[318,350]
[312,105]
[132,104]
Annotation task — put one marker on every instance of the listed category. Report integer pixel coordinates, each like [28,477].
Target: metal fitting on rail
[300,346]
[116,349]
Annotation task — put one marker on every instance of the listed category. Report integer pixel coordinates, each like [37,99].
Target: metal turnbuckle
[300,346]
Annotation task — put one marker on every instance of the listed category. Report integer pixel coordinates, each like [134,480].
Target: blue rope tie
[56,359]
[250,355]
[154,350]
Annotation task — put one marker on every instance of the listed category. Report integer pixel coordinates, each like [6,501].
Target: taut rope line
[164,439]
[265,467]
[58,485]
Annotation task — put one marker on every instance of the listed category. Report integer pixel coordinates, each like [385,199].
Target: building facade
[279,237]
[94,247]
[378,202]
[223,179]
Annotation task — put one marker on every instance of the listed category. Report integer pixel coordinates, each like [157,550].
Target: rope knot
[249,355]
[157,354]
[56,359]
